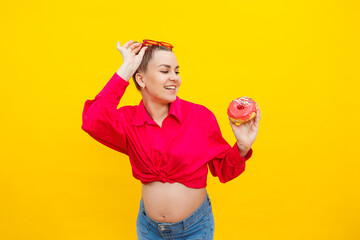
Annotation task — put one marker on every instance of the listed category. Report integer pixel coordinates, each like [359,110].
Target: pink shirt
[179,151]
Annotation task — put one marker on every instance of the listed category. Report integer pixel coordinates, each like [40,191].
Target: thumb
[118,46]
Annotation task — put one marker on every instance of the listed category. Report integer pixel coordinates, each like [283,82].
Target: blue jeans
[199,225]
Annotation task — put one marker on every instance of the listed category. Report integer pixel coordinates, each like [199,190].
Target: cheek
[158,89]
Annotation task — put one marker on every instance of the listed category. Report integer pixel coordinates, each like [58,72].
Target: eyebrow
[167,66]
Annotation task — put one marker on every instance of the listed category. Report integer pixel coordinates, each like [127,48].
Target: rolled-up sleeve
[226,162]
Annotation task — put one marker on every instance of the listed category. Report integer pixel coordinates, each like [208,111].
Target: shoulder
[128,111]
[197,109]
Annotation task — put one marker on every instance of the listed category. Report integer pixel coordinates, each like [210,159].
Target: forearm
[125,72]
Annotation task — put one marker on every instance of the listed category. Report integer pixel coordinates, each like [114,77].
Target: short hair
[148,55]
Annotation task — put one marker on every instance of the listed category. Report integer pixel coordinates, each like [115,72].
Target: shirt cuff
[115,86]
[235,158]
[122,81]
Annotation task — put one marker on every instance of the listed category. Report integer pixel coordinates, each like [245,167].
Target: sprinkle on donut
[243,101]
[242,109]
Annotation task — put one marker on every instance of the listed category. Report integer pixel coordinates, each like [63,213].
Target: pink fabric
[179,151]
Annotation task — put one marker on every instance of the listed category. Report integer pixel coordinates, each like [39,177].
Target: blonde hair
[148,55]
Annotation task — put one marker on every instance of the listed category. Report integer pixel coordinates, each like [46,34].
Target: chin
[174,98]
[170,99]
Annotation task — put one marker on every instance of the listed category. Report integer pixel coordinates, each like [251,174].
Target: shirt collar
[141,115]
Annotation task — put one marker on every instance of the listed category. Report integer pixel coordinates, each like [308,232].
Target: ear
[140,79]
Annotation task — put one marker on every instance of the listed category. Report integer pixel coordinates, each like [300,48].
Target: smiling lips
[170,87]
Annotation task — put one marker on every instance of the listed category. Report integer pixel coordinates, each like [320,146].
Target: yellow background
[298,59]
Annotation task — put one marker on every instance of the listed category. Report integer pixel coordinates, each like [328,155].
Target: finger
[126,45]
[136,49]
[142,51]
[134,46]
[120,48]
[258,110]
[257,117]
[259,114]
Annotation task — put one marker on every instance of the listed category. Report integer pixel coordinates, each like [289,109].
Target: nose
[173,77]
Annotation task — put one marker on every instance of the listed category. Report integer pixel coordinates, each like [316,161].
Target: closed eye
[167,72]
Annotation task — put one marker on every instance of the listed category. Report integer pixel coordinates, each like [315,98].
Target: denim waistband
[183,224]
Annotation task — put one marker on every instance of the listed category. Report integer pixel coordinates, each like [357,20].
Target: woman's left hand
[246,132]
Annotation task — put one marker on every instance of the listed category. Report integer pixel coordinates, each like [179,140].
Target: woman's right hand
[131,53]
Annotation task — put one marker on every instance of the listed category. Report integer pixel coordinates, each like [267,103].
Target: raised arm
[100,118]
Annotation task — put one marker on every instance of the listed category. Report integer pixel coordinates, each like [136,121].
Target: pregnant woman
[170,142]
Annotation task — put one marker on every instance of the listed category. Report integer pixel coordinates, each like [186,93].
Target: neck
[157,111]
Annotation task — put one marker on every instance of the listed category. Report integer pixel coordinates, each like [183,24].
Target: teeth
[172,88]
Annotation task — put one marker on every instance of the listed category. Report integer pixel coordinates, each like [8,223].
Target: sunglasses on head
[156,43]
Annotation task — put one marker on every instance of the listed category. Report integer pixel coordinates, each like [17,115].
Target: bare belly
[171,202]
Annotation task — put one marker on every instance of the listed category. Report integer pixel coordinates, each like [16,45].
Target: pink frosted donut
[242,110]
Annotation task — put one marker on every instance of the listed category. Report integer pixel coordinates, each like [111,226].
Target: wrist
[125,72]
[243,150]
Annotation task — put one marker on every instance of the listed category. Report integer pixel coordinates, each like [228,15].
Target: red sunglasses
[156,43]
